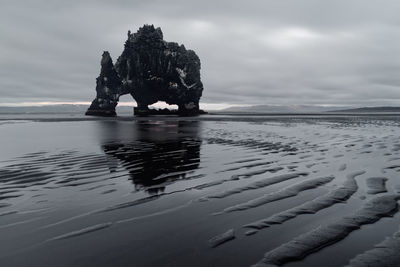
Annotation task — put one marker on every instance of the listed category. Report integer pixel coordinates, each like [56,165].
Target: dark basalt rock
[151,70]
[107,88]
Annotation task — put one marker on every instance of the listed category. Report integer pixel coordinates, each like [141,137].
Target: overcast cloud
[252,52]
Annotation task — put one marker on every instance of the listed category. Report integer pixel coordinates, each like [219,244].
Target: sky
[280,52]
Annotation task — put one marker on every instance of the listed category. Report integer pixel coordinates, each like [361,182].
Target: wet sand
[209,191]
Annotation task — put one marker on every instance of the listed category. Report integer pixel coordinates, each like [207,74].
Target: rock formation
[151,70]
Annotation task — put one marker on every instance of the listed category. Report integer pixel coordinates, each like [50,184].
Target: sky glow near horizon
[254,52]
[205,106]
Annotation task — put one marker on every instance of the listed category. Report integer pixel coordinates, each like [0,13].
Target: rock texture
[151,70]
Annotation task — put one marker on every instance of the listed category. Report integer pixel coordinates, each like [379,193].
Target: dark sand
[209,191]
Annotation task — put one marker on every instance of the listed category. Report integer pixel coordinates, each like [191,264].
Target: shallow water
[206,191]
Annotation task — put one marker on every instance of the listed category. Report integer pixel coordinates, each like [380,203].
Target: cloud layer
[252,52]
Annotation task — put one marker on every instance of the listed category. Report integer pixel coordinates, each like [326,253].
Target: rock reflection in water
[159,154]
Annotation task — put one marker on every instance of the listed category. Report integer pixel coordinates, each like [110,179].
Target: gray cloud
[252,52]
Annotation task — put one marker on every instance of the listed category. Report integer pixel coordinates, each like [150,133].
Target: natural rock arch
[151,70]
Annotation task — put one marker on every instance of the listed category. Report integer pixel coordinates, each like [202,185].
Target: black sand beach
[199,191]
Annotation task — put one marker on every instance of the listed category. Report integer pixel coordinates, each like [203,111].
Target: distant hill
[259,109]
[55,109]
[304,109]
[370,110]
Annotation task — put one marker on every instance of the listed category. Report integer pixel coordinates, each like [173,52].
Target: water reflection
[156,153]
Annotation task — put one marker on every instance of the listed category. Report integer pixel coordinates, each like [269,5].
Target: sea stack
[151,70]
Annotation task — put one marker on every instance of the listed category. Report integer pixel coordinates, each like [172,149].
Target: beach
[214,190]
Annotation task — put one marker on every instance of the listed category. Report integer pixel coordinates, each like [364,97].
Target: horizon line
[160,104]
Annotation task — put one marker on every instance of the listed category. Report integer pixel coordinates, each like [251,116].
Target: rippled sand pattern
[212,191]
